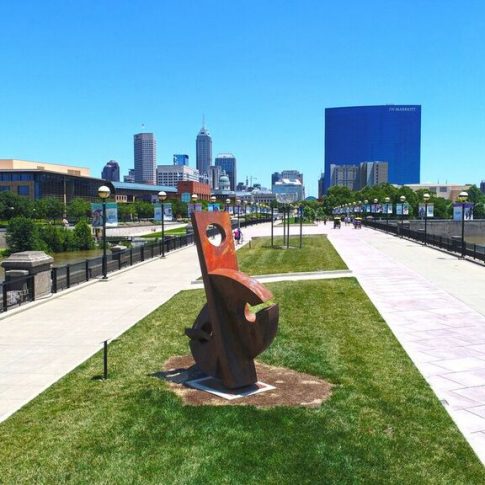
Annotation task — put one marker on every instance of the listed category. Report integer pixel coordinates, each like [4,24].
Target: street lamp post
[387,200]
[272,223]
[161,197]
[463,197]
[228,205]
[376,201]
[104,193]
[301,225]
[426,198]
[403,200]
[238,205]
[365,206]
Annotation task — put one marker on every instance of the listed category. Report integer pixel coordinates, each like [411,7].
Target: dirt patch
[293,389]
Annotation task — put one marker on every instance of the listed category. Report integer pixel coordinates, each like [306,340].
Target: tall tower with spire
[203,148]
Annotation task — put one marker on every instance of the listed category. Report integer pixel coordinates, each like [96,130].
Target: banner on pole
[111,214]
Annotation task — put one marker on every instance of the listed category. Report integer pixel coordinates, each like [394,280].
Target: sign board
[185,197]
[194,208]
[111,214]
[458,211]
[422,208]
[167,212]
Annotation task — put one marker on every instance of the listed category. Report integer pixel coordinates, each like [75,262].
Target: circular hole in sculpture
[215,234]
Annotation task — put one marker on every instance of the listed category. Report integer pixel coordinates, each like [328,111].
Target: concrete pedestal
[36,263]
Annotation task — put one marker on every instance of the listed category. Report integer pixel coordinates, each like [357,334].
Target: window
[4,188]
[23,190]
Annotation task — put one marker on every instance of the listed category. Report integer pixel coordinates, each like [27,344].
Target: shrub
[83,237]
[23,235]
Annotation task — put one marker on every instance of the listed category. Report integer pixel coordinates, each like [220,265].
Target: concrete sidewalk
[434,304]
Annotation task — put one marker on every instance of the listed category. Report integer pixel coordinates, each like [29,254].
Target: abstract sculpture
[226,335]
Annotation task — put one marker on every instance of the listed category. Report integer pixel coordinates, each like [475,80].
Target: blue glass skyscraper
[389,133]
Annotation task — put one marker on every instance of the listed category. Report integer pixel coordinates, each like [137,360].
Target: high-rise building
[373,173]
[203,148]
[482,186]
[214,176]
[392,133]
[172,174]
[145,151]
[227,162]
[130,178]
[289,182]
[345,175]
[320,186]
[111,171]
[275,176]
[181,160]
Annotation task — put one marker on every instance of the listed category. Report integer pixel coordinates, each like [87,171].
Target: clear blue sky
[79,77]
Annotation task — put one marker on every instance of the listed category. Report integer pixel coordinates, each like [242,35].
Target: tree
[126,211]
[50,208]
[83,237]
[308,214]
[144,209]
[78,208]
[23,235]
[13,205]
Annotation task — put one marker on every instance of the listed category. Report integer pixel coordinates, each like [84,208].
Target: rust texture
[226,336]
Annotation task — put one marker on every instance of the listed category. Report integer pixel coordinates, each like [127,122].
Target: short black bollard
[105,360]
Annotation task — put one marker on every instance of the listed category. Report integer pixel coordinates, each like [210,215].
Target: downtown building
[289,183]
[356,177]
[172,174]
[111,171]
[180,159]
[227,163]
[203,150]
[390,133]
[145,155]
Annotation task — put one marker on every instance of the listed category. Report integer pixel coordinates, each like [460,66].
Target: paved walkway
[432,302]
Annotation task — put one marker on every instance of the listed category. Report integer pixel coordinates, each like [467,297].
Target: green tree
[78,208]
[308,214]
[126,211]
[144,209]
[23,235]
[13,205]
[83,236]
[50,208]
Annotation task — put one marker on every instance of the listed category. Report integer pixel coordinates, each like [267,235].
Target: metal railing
[63,277]
[18,291]
[449,244]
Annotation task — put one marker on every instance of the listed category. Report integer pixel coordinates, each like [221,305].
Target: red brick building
[203,191]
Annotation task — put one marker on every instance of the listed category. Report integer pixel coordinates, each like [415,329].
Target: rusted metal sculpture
[226,335]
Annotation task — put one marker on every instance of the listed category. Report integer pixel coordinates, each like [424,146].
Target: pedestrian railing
[18,291]
[449,244]
[63,277]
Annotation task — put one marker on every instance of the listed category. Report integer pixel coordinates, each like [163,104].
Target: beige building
[13,164]
[446,191]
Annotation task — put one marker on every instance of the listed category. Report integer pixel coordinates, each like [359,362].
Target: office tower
[227,162]
[130,178]
[111,171]
[181,160]
[203,148]
[289,182]
[482,186]
[373,173]
[214,176]
[172,174]
[345,175]
[320,186]
[145,151]
[275,176]
[392,133]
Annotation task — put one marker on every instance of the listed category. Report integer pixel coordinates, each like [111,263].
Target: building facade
[203,191]
[130,178]
[172,174]
[445,191]
[482,186]
[391,132]
[203,150]
[111,171]
[145,155]
[373,173]
[227,163]
[214,176]
[181,159]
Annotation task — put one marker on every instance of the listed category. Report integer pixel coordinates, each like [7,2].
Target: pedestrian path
[440,326]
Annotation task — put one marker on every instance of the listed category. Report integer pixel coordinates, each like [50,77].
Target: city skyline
[263,91]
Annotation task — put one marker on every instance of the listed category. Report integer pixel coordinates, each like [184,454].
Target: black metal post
[284,225]
[272,212]
[105,359]
[163,232]
[238,217]
[105,262]
[301,226]
[463,230]
[425,223]
[402,218]
[288,228]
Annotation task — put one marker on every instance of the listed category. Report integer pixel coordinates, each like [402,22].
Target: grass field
[381,425]
[179,231]
[317,254]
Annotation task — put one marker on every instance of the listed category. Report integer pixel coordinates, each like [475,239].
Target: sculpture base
[286,386]
[216,387]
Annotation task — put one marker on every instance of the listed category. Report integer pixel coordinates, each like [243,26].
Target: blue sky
[80,77]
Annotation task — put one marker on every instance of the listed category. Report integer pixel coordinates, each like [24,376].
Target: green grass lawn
[179,231]
[317,254]
[382,423]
